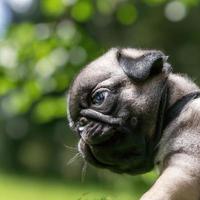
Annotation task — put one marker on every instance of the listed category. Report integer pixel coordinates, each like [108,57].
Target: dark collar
[167,115]
[175,110]
[164,117]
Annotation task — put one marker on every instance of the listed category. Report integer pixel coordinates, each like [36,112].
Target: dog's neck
[179,86]
[179,91]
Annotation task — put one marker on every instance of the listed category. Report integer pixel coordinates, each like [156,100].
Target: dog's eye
[99,97]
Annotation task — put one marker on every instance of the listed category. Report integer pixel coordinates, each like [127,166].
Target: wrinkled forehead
[94,73]
[101,69]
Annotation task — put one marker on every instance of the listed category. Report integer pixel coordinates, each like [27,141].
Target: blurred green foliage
[127,14]
[43,50]
[51,189]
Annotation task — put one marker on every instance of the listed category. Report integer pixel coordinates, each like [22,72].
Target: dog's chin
[115,156]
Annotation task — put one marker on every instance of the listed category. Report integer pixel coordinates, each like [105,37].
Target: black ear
[145,66]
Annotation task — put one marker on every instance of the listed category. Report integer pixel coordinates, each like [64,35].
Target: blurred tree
[46,45]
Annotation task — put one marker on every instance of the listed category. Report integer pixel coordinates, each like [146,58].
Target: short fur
[118,133]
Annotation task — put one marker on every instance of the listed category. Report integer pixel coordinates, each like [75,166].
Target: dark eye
[99,97]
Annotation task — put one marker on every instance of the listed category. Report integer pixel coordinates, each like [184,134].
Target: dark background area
[43,44]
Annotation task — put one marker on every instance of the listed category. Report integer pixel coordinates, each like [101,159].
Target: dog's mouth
[114,148]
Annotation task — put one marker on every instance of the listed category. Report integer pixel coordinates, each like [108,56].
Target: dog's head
[113,106]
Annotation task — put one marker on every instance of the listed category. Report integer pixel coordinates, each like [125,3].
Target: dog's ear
[141,68]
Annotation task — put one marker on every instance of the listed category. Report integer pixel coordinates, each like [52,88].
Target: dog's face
[113,106]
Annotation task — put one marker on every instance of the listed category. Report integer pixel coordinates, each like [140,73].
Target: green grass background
[18,187]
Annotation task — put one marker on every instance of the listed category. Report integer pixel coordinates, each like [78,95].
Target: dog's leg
[177,181]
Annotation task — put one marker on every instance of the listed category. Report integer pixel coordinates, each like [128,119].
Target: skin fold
[114,106]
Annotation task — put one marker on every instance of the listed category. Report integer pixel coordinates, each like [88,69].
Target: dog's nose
[83,121]
[81,124]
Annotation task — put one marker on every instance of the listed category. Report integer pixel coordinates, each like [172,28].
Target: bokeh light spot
[127,14]
[82,11]
[42,31]
[66,30]
[21,6]
[106,6]
[5,18]
[53,7]
[69,2]
[175,11]
[33,89]
[8,56]
[50,108]
[45,68]
[16,103]
[23,33]
[6,85]
[78,55]
[59,56]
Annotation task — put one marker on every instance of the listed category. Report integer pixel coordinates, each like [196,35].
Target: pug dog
[132,113]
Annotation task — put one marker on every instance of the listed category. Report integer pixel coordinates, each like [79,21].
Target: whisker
[74,158]
[74,149]
[83,173]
